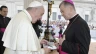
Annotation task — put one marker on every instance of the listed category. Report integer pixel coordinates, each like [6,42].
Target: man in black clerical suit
[76,38]
[4,20]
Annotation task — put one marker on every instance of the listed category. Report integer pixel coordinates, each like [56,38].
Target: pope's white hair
[30,8]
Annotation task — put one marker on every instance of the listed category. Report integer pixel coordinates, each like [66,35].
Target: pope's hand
[47,50]
[57,45]
[43,41]
[61,40]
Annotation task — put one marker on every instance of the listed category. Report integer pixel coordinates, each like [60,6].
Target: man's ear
[70,8]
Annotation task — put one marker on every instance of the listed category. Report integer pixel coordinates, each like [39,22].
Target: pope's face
[39,13]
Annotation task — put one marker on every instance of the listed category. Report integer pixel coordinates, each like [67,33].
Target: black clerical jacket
[3,24]
[77,37]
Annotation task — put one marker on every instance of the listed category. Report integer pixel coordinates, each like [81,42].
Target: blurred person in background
[4,20]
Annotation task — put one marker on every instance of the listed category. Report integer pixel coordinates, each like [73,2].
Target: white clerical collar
[29,16]
[74,15]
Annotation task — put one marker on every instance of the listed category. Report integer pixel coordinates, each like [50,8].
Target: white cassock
[20,37]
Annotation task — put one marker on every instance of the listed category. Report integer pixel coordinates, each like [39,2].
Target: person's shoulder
[81,21]
[0,15]
[8,17]
[25,23]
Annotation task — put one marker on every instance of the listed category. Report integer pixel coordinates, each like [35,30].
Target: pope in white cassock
[20,37]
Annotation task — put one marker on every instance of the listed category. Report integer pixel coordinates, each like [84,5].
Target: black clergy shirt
[3,24]
[77,36]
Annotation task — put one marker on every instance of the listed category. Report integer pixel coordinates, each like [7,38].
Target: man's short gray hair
[66,4]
